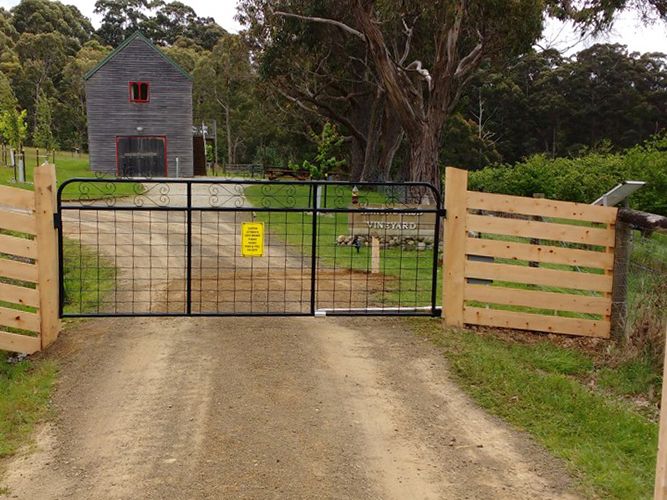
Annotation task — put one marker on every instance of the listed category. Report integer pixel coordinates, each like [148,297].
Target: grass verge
[25,387]
[26,384]
[565,399]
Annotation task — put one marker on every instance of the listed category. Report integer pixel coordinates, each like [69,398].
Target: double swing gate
[201,247]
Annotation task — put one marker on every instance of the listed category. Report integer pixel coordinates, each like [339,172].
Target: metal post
[188,275]
[313,251]
[21,169]
[436,251]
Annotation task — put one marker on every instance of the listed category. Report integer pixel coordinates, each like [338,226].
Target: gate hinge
[442,212]
[57,222]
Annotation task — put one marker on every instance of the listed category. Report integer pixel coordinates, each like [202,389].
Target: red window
[139,92]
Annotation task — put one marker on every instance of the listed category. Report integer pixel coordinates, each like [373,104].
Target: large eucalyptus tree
[424,52]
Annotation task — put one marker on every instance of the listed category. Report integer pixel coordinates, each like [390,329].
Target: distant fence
[28,265]
[527,263]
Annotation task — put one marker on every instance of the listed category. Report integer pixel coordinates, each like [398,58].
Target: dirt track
[269,408]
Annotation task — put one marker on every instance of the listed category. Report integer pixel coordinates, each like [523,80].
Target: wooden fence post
[619,291]
[375,255]
[660,492]
[47,252]
[453,276]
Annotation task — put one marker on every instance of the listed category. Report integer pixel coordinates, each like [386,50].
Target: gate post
[47,252]
[453,276]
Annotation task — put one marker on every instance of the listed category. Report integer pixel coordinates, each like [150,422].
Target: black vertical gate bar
[436,251]
[188,272]
[61,273]
[313,250]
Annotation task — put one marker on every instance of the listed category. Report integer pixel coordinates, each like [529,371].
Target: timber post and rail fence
[29,319]
[490,241]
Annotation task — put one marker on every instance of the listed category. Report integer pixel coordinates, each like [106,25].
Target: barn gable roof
[126,42]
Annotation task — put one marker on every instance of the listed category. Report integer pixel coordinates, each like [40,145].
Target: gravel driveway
[269,408]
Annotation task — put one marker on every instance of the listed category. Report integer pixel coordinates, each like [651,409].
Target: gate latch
[57,222]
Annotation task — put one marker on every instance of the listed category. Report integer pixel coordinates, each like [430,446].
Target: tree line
[405,86]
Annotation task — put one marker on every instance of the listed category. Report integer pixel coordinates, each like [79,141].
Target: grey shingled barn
[139,105]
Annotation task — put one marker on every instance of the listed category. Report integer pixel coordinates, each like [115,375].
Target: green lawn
[577,407]
[413,268]
[68,165]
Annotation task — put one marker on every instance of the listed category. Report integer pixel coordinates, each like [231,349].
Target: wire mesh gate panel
[168,247]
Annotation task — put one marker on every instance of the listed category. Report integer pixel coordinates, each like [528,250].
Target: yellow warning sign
[252,239]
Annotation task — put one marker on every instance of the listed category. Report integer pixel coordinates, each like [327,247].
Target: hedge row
[586,178]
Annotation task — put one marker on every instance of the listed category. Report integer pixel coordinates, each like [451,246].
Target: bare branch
[324,20]
[453,35]
[324,109]
[423,72]
[408,39]
[469,62]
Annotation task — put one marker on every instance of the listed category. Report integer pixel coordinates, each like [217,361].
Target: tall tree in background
[121,18]
[7,98]
[45,16]
[13,127]
[224,84]
[43,134]
[545,103]
[71,126]
[424,53]
[163,22]
[446,41]
[323,72]
[9,60]
[42,56]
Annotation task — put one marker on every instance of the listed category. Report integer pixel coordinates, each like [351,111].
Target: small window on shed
[139,91]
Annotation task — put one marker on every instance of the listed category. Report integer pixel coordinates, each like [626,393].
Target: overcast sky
[628,29]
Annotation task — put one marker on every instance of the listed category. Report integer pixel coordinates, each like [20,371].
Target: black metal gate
[174,247]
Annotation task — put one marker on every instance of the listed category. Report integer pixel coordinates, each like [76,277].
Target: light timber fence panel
[527,263]
[28,265]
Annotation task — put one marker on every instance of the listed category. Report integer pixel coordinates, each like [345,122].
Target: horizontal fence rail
[527,263]
[28,265]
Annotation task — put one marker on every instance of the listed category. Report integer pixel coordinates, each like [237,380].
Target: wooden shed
[139,105]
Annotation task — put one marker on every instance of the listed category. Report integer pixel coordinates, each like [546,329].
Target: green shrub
[585,178]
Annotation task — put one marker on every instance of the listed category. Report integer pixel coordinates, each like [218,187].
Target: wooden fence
[29,265]
[526,263]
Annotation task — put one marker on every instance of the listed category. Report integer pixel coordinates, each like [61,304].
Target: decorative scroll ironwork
[226,195]
[156,194]
[131,192]
[278,196]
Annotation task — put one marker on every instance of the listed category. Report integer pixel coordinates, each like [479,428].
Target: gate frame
[432,310]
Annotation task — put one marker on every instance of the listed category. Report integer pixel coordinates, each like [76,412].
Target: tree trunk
[370,171]
[392,136]
[424,162]
[357,155]
[230,147]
